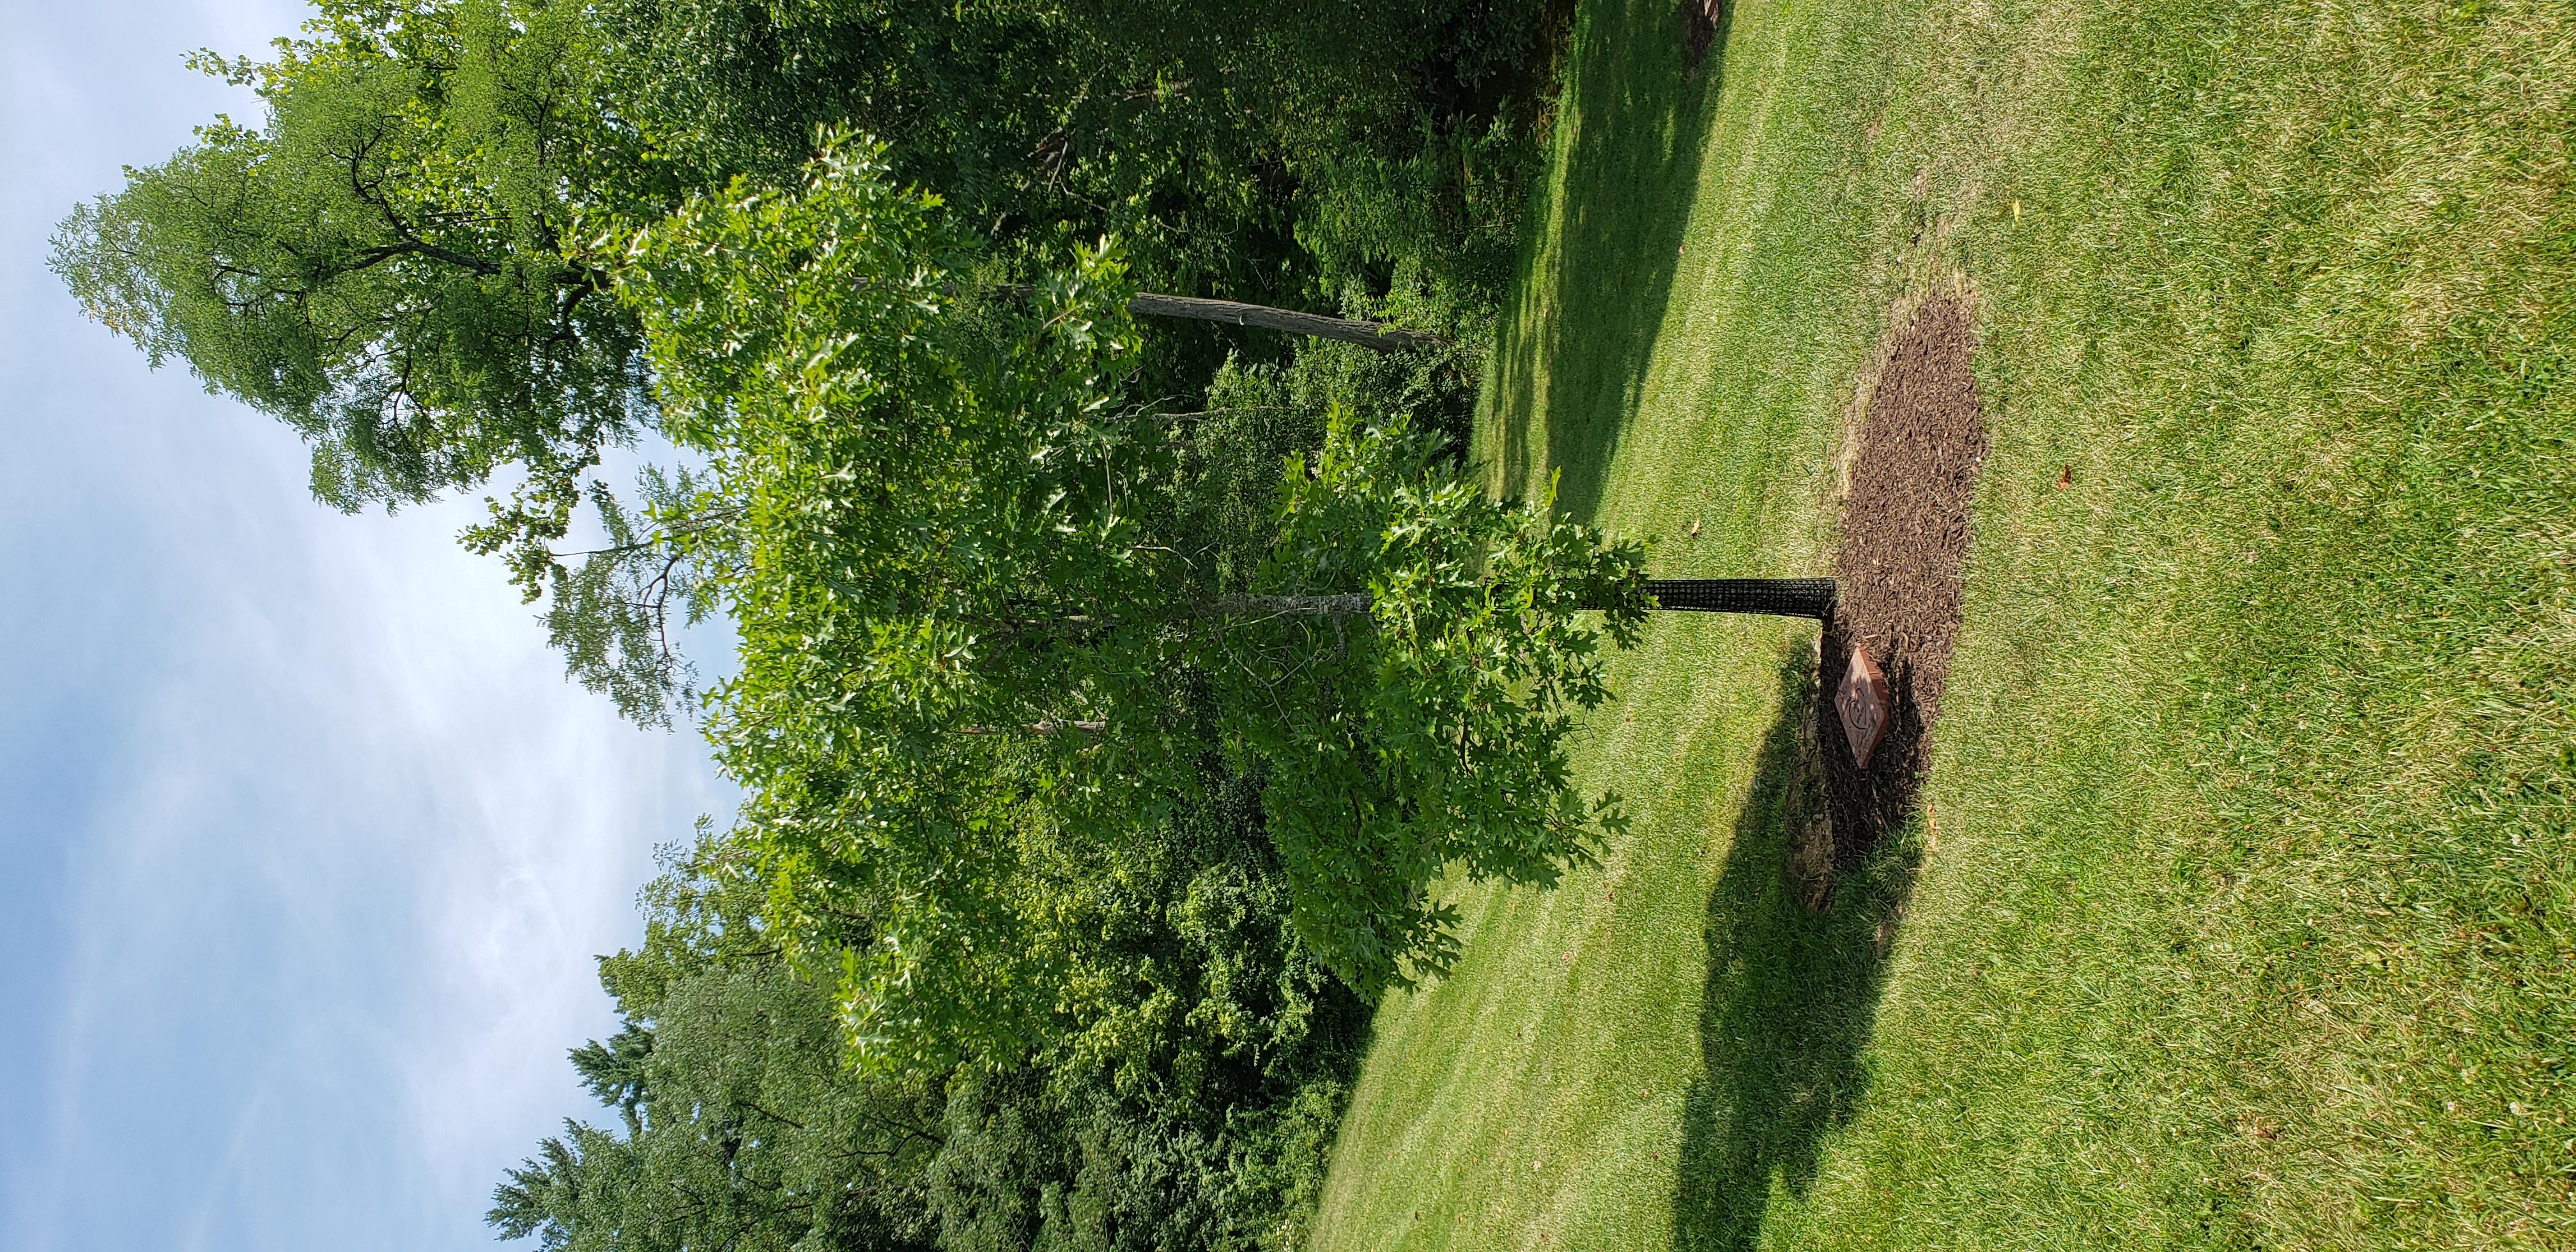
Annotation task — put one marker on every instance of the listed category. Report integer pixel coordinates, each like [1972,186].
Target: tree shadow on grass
[1590,310]
[1791,1000]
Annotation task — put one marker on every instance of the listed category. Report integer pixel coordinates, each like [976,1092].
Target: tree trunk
[1376,335]
[1776,596]
[1782,597]
[1048,727]
[1342,605]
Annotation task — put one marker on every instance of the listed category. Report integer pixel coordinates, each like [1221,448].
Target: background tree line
[1101,773]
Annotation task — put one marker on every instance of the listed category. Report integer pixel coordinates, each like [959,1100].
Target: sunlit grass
[2246,916]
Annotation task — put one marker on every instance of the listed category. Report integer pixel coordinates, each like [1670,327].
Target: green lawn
[2246,912]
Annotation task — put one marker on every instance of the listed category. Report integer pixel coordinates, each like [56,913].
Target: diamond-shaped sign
[1862,701]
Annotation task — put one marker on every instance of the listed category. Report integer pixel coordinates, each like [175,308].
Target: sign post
[1862,702]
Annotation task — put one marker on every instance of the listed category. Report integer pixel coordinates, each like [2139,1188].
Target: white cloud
[347,847]
[305,844]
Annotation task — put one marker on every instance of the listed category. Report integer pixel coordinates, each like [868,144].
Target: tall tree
[406,259]
[971,586]
[390,262]
[738,1125]
[1185,1099]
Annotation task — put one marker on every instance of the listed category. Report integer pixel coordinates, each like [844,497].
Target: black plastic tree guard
[1780,597]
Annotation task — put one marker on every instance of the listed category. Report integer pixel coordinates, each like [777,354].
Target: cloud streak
[305,843]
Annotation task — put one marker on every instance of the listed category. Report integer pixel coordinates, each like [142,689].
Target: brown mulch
[1699,27]
[1904,533]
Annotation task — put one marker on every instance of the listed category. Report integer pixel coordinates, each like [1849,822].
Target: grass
[2245,913]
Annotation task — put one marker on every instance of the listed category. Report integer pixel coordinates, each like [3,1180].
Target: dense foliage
[407,261]
[1187,1100]
[390,264]
[1098,770]
[1110,704]
[968,581]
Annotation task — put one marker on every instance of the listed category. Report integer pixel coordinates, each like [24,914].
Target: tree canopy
[408,259]
[390,263]
[1110,705]
[975,592]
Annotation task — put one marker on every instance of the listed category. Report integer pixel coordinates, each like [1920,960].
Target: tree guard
[1779,597]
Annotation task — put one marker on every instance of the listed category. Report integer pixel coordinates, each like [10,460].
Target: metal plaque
[1862,701]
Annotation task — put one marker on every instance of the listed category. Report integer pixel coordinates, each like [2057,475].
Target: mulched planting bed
[1904,533]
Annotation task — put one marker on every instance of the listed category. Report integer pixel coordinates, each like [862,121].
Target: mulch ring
[1904,534]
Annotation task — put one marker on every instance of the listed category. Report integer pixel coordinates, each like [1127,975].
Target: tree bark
[1376,335]
[1342,605]
[1050,726]
[1782,597]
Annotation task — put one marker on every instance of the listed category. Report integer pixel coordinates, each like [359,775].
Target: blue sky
[305,844]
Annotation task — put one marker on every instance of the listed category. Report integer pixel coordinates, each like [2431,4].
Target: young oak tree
[974,595]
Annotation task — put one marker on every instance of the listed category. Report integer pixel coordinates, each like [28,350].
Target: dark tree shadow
[1592,310]
[1791,1000]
